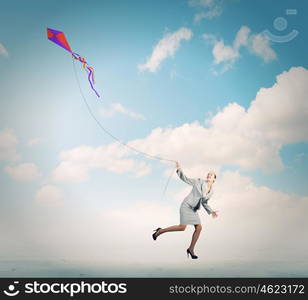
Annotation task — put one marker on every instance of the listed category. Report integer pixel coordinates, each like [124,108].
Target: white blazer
[198,189]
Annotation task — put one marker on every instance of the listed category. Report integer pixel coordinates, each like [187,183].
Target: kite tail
[88,69]
[91,79]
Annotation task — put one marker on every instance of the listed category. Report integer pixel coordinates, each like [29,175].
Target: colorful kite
[58,37]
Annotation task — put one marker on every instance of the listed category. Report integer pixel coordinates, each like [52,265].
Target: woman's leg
[180,227]
[195,237]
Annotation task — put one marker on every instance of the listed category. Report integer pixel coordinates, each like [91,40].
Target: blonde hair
[212,172]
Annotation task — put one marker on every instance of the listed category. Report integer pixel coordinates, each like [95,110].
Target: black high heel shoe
[192,256]
[153,235]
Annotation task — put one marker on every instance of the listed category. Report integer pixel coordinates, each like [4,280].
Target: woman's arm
[179,171]
[209,210]
[207,207]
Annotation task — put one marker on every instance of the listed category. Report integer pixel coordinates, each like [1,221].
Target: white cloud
[247,138]
[260,46]
[201,3]
[35,141]
[252,219]
[8,145]
[3,51]
[119,108]
[210,14]
[70,172]
[165,48]
[224,53]
[24,172]
[280,113]
[208,9]
[250,139]
[259,217]
[227,55]
[299,157]
[76,163]
[49,195]
[211,38]
[241,38]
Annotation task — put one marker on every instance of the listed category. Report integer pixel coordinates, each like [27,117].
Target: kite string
[114,137]
[171,174]
[109,133]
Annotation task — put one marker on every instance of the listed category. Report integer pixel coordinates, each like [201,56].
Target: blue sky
[43,115]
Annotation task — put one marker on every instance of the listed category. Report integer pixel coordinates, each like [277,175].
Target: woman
[201,192]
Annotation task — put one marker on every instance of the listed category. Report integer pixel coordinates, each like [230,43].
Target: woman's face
[210,177]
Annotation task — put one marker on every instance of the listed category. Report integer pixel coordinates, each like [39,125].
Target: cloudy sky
[217,85]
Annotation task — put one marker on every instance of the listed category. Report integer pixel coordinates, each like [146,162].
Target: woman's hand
[214,214]
[177,165]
